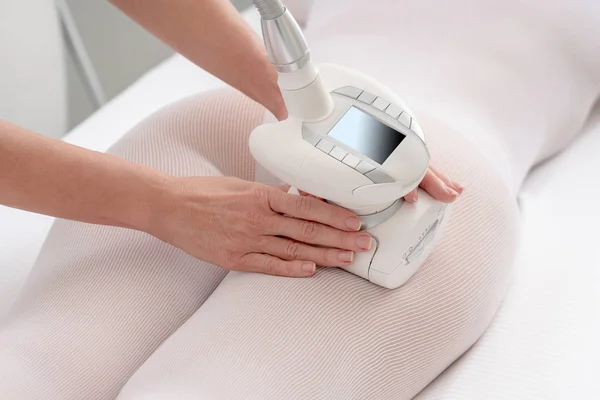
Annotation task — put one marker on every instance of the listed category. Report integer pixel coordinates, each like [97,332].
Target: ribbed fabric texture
[109,311]
[101,299]
[337,336]
[103,302]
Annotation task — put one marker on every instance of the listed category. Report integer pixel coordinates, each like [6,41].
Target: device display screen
[366,135]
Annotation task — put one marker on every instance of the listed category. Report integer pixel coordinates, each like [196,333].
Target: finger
[433,185]
[447,181]
[303,193]
[310,232]
[266,264]
[311,209]
[286,188]
[292,250]
[412,196]
[315,197]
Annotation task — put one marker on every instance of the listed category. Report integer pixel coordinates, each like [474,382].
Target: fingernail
[309,268]
[346,256]
[364,242]
[458,187]
[353,223]
[451,191]
[416,197]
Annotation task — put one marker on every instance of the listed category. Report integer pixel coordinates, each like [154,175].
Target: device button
[378,176]
[338,153]
[364,167]
[349,91]
[325,146]
[393,111]
[310,136]
[381,104]
[404,118]
[351,160]
[367,97]
[415,254]
[416,127]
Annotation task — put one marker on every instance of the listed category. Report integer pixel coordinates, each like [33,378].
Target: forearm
[213,35]
[51,177]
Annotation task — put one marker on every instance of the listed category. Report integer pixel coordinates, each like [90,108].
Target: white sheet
[543,343]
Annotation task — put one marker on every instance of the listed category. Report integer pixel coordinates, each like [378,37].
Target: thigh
[101,299]
[336,336]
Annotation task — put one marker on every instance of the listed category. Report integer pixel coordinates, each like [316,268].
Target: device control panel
[365,134]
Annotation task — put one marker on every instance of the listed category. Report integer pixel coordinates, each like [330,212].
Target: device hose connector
[284,41]
[302,89]
[270,9]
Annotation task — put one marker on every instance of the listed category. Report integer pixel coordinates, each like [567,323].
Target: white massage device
[349,140]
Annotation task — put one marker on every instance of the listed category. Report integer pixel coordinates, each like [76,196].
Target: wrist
[169,201]
[265,90]
[148,202]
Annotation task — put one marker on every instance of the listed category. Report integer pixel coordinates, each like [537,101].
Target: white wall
[120,50]
[39,87]
[32,77]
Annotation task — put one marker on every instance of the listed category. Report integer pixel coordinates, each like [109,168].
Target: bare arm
[51,177]
[226,221]
[213,35]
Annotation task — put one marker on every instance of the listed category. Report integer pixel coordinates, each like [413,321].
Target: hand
[240,225]
[438,185]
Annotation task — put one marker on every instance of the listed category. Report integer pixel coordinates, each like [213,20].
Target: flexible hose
[269,9]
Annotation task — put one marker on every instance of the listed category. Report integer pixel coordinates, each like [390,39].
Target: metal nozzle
[284,41]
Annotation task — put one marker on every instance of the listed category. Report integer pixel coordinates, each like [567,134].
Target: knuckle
[339,215]
[232,261]
[336,213]
[303,205]
[292,250]
[270,266]
[346,240]
[261,242]
[309,230]
[261,193]
[342,239]
[255,219]
[249,216]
